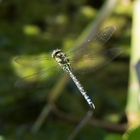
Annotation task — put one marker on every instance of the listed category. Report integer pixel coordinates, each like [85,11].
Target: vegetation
[46,104]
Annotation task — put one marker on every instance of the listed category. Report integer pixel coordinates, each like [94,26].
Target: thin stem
[105,12]
[81,125]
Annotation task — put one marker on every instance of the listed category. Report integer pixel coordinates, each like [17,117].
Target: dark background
[33,28]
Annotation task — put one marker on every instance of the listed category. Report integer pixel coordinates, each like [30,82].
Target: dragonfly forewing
[34,68]
[96,54]
[99,38]
[92,52]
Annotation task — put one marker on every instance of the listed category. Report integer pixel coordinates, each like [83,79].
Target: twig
[119,128]
[81,125]
[90,32]
[46,110]
[54,94]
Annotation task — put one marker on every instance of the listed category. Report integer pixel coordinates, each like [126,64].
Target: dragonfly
[64,59]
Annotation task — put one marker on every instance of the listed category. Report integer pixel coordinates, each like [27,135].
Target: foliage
[33,29]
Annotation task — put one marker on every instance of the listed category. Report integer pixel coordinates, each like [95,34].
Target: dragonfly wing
[25,59]
[100,37]
[36,77]
[96,54]
[29,79]
[32,69]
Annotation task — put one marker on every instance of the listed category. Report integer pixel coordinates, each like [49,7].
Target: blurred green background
[49,106]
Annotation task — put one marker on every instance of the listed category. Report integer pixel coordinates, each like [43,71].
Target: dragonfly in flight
[63,59]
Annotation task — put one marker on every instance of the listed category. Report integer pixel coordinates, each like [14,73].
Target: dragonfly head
[55,52]
[60,57]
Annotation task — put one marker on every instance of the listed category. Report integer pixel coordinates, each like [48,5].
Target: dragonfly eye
[59,55]
[68,60]
[55,53]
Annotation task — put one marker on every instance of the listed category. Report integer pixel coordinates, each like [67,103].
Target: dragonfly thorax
[60,57]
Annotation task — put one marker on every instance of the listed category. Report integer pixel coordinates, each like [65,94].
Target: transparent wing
[31,79]
[34,68]
[23,59]
[99,38]
[93,52]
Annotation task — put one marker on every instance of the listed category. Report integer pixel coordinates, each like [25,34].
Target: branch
[81,125]
[119,128]
[88,33]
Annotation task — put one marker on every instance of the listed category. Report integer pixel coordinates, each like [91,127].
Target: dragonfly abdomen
[81,89]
